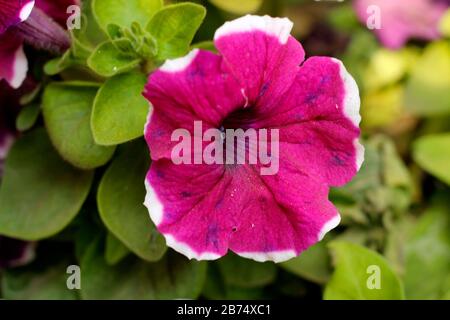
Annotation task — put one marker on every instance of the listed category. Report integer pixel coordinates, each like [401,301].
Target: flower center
[241,118]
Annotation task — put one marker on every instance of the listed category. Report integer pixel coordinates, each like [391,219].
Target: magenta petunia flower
[32,22]
[401,20]
[259,81]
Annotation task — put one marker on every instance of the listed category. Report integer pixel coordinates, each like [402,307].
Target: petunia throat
[227,145]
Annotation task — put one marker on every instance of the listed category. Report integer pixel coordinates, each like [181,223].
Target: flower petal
[13,12]
[294,214]
[261,54]
[43,33]
[195,87]
[318,121]
[181,202]
[205,210]
[13,62]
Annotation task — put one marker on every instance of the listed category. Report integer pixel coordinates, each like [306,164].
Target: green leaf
[114,31]
[115,250]
[120,201]
[238,6]
[56,65]
[353,276]
[86,231]
[174,27]
[426,93]
[90,33]
[31,96]
[205,45]
[38,283]
[313,264]
[216,289]
[67,108]
[173,277]
[246,273]
[427,253]
[28,117]
[124,12]
[120,111]
[107,60]
[432,153]
[40,193]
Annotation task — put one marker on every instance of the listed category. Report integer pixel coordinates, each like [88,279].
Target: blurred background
[395,212]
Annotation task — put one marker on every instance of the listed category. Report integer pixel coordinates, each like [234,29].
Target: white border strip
[352,104]
[185,249]
[179,64]
[275,256]
[153,204]
[19,68]
[26,11]
[156,210]
[329,225]
[359,153]
[352,100]
[277,27]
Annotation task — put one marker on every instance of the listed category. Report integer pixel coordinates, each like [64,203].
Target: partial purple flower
[402,20]
[30,22]
[15,253]
[259,81]
[9,109]
[14,12]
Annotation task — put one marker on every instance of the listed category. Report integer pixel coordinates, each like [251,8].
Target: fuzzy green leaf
[28,117]
[120,111]
[173,277]
[312,264]
[67,111]
[124,12]
[174,27]
[246,273]
[40,193]
[107,60]
[357,272]
[115,250]
[120,201]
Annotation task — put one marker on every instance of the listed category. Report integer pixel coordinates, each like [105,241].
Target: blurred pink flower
[403,19]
